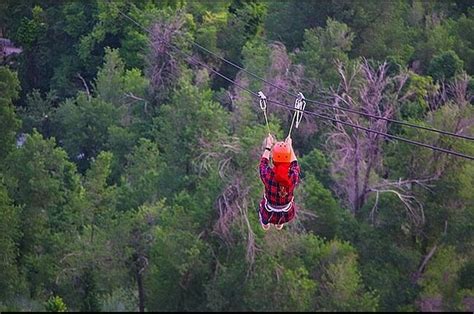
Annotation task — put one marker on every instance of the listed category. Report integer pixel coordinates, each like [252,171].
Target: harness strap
[277,208]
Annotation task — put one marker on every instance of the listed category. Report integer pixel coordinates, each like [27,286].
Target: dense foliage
[128,172]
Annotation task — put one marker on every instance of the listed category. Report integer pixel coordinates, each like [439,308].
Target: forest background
[129,171]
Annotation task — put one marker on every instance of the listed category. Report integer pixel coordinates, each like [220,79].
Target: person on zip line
[277,206]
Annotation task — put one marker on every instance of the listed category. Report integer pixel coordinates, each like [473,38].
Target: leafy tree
[243,24]
[89,257]
[83,127]
[201,121]
[322,47]
[38,112]
[282,25]
[9,238]
[44,183]
[73,20]
[439,282]
[56,304]
[206,33]
[118,86]
[89,293]
[256,55]
[445,66]
[142,176]
[47,34]
[120,300]
[135,234]
[341,289]
[388,255]
[466,275]
[109,82]
[100,196]
[317,197]
[417,106]
[317,163]
[319,201]
[31,36]
[10,123]
[178,264]
[464,43]
[383,31]
[126,91]
[436,39]
[105,32]
[309,264]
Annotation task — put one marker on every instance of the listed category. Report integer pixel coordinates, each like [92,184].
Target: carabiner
[300,104]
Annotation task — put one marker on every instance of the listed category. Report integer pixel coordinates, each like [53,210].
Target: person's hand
[289,141]
[269,141]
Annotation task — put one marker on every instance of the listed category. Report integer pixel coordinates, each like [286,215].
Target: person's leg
[265,226]
[262,216]
[281,221]
[286,217]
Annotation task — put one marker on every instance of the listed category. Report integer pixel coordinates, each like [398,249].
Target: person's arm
[294,167]
[295,172]
[267,152]
[268,146]
[293,155]
[265,160]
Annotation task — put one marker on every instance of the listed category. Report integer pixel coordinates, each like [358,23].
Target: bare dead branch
[417,274]
[85,86]
[414,207]
[374,208]
[407,183]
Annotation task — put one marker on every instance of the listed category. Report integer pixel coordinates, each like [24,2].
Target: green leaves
[441,280]
[319,201]
[44,183]
[179,264]
[322,47]
[161,215]
[341,288]
[109,80]
[56,304]
[31,29]
[84,124]
[142,176]
[190,123]
[9,242]
[445,66]
[9,88]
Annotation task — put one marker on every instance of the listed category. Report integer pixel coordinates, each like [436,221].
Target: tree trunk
[356,179]
[141,294]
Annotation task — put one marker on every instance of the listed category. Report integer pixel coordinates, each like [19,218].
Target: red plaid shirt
[276,193]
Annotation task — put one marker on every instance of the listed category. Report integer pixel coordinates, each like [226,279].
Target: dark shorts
[276,218]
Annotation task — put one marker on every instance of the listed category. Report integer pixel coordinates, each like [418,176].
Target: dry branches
[163,65]
[357,154]
[232,202]
[413,206]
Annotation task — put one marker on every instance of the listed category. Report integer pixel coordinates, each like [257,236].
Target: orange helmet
[281,152]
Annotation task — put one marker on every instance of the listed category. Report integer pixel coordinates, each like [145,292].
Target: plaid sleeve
[264,169]
[294,172]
